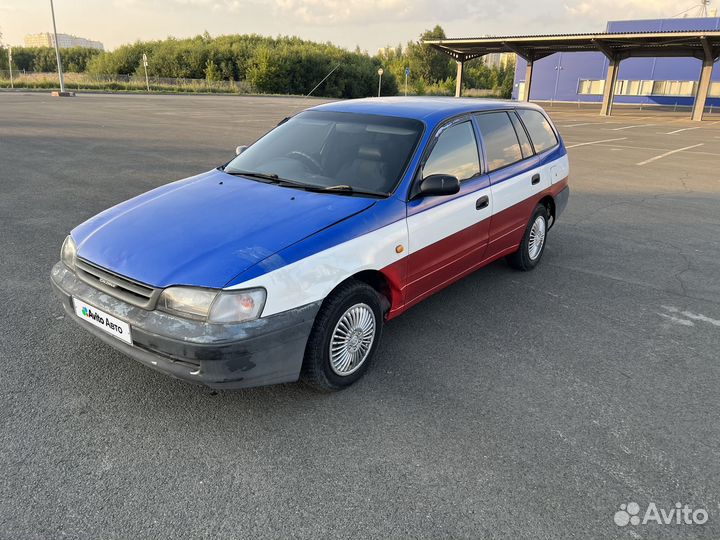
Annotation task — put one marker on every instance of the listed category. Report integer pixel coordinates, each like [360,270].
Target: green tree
[426,62]
[275,65]
[508,80]
[212,73]
[263,71]
[76,59]
[124,60]
[23,58]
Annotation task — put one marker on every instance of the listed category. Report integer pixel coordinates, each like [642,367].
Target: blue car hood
[205,230]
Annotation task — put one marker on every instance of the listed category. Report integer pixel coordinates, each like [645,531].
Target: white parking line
[630,127]
[595,142]
[648,148]
[679,130]
[583,124]
[671,152]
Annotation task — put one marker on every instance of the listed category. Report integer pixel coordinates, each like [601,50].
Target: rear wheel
[344,337]
[532,245]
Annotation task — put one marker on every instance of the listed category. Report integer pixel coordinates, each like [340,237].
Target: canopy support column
[704,82]
[528,79]
[610,82]
[460,75]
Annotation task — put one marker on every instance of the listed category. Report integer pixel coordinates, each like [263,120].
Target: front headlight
[187,301]
[68,252]
[212,305]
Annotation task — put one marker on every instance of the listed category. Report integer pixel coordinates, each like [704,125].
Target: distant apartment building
[498,60]
[65,41]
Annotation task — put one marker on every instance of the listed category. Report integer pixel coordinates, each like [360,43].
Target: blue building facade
[663,81]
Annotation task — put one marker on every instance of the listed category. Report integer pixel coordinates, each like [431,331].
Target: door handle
[536,179]
[482,202]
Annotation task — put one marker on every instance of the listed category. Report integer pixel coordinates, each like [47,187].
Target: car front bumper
[223,356]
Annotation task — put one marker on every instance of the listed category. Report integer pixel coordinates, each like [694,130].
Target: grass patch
[81,81]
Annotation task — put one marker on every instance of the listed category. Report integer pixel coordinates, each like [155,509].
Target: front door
[448,234]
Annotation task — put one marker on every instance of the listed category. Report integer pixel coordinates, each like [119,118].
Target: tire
[356,306]
[529,254]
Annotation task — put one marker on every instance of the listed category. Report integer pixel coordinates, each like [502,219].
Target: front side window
[541,133]
[330,149]
[502,147]
[455,153]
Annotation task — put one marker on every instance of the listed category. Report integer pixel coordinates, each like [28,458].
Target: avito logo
[91,315]
[105,321]
[629,514]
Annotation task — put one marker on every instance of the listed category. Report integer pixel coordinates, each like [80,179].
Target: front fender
[309,270]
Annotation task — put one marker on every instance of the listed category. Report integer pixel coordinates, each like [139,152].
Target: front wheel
[344,337]
[532,245]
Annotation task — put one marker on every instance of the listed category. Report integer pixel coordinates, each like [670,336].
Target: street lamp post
[145,64]
[12,84]
[407,74]
[57,50]
[380,74]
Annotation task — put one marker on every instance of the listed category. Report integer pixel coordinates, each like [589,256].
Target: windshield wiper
[252,174]
[344,188]
[271,178]
[275,179]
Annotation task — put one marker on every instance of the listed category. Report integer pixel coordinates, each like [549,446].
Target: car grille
[130,291]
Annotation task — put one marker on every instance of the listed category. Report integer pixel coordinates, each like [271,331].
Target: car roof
[430,110]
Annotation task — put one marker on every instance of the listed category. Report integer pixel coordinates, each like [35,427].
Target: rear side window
[500,140]
[542,135]
[527,150]
[455,153]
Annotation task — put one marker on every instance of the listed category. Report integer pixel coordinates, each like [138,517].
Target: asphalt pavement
[510,405]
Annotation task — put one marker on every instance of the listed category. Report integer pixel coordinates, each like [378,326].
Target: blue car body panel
[430,110]
[383,212]
[205,231]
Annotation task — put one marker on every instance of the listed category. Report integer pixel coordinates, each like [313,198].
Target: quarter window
[455,153]
[525,146]
[542,135]
[499,139]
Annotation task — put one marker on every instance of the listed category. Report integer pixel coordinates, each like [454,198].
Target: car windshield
[341,151]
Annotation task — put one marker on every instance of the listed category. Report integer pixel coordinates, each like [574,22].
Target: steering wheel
[307,160]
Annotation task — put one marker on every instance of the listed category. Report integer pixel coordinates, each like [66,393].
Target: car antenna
[318,84]
[311,91]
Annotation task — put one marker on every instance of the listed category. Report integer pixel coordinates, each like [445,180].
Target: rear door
[448,234]
[516,175]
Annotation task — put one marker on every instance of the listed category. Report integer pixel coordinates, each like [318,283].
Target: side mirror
[439,184]
[240,149]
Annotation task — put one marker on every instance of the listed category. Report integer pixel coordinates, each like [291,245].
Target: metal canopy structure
[615,46]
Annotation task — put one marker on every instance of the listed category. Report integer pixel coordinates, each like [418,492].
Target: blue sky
[371,24]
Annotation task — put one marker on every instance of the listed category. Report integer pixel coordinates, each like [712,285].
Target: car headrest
[370,152]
